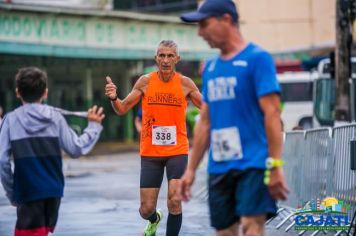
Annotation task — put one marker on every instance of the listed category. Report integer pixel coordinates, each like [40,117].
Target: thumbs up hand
[110,89]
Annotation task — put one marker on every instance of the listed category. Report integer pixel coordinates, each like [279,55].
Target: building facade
[78,48]
[293,25]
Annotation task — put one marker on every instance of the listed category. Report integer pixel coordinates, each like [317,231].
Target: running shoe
[151,228]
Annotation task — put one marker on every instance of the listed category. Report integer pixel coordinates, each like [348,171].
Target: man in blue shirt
[240,118]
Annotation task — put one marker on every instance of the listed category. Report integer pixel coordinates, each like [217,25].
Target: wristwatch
[273,162]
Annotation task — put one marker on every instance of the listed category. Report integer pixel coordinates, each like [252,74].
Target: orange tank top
[164,130]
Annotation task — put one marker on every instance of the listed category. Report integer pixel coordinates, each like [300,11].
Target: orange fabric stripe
[164,104]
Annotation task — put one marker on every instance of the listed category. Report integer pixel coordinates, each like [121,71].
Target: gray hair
[169,44]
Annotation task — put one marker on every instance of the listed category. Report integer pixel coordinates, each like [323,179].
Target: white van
[297,99]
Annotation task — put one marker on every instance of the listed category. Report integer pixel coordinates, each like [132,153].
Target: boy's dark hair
[31,83]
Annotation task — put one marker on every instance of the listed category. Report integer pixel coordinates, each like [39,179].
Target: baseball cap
[212,8]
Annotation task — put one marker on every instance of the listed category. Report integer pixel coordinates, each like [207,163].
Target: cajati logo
[327,214]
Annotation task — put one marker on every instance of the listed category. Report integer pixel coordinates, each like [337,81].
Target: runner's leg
[222,203]
[174,221]
[152,170]
[255,204]
[232,230]
[253,225]
[148,203]
[175,169]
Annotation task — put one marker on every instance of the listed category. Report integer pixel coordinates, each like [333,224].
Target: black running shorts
[152,169]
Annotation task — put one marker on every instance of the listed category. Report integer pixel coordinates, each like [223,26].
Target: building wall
[79,48]
[79,4]
[283,25]
[81,34]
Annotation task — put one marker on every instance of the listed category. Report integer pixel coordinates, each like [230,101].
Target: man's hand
[184,189]
[95,114]
[277,185]
[110,89]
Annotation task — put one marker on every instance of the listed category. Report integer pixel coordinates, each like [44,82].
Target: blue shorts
[238,193]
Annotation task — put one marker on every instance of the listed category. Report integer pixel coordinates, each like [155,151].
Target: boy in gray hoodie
[34,135]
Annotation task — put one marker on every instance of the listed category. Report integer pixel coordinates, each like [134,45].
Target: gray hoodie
[34,135]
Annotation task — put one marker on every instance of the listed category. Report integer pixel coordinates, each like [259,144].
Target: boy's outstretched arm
[76,146]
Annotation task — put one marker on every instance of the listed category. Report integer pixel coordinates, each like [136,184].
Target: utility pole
[342,61]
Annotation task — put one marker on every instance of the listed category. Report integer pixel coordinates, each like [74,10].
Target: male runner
[164,142]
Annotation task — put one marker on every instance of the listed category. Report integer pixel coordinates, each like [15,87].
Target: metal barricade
[343,179]
[318,165]
[314,166]
[293,156]
[306,155]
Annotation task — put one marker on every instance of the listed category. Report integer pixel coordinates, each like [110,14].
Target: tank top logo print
[222,88]
[167,99]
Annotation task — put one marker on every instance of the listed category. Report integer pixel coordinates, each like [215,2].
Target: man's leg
[255,203]
[175,168]
[148,203]
[233,230]
[152,170]
[253,225]
[222,203]
[174,221]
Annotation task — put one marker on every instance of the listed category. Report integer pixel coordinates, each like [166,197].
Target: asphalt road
[102,199]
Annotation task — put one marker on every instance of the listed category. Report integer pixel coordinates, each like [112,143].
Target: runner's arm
[192,92]
[271,109]
[272,113]
[200,144]
[201,138]
[122,106]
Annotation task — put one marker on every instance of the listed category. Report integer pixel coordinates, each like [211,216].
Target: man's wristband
[273,163]
[113,99]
